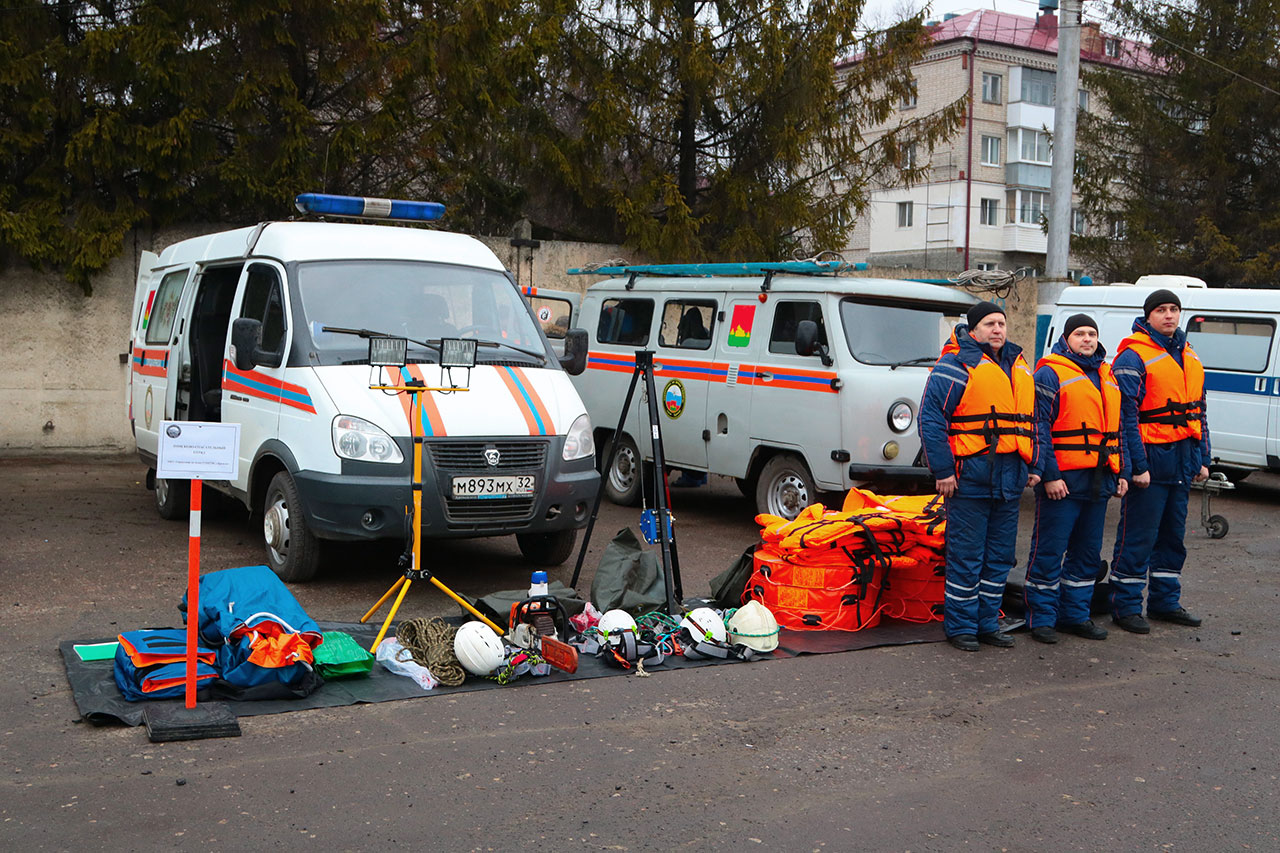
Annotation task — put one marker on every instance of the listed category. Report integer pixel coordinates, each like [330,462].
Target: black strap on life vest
[992,427]
[1172,414]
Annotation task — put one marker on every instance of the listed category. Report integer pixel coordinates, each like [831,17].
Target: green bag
[340,656]
[728,586]
[628,577]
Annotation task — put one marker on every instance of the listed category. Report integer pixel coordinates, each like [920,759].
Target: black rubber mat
[100,701]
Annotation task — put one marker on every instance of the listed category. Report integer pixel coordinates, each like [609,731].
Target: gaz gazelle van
[231,327]
[784,376]
[1233,330]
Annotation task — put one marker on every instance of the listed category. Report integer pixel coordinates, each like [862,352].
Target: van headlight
[900,417]
[579,442]
[356,438]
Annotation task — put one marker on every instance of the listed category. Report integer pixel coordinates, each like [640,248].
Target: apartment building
[988,186]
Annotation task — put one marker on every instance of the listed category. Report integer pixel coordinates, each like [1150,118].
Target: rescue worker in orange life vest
[1080,466]
[1166,435]
[977,429]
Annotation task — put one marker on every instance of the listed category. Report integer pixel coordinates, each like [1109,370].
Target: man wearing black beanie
[1081,465]
[976,426]
[1166,437]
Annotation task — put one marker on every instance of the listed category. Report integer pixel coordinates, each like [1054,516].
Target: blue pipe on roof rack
[754,268]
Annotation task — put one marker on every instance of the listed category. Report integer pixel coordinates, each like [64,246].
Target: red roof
[1040,34]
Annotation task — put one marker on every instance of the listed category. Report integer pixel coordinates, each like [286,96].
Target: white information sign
[196,450]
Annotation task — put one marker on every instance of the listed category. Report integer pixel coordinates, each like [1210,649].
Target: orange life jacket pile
[879,555]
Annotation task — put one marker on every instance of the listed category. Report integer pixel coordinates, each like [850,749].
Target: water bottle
[538,584]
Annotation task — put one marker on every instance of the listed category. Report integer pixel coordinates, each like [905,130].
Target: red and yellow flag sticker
[740,325]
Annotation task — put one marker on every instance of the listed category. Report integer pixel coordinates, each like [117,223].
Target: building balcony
[1027,175]
[1019,237]
[1026,114]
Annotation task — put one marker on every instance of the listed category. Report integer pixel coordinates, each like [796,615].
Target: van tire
[547,549]
[173,499]
[785,486]
[622,481]
[293,551]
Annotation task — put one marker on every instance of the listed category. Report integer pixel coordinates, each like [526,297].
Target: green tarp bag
[340,656]
[628,577]
[728,586]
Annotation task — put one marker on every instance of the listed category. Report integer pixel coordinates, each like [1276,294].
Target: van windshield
[421,301]
[896,332]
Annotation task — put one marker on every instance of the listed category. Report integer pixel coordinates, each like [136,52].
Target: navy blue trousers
[982,537]
[1066,549]
[1149,544]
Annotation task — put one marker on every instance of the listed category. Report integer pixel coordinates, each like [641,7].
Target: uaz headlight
[900,417]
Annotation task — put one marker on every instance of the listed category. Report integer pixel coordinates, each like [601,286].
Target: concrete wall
[64,386]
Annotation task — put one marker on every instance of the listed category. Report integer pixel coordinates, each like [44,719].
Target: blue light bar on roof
[371,208]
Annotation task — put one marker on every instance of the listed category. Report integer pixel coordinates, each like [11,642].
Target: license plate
[493,487]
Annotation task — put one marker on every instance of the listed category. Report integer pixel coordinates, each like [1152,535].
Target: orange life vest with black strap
[1086,433]
[1172,406]
[995,414]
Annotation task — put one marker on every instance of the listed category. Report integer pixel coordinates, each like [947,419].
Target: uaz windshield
[896,332]
[420,301]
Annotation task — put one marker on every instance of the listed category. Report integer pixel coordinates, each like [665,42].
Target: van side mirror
[807,342]
[574,360]
[246,339]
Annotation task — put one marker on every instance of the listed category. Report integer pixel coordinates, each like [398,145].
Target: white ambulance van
[788,378]
[231,326]
[1234,333]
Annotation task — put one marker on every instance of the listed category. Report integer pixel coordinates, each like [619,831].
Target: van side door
[1237,351]
[252,398]
[794,403]
[155,361]
[683,372]
[741,339]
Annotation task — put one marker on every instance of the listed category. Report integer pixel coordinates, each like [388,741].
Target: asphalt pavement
[1158,742]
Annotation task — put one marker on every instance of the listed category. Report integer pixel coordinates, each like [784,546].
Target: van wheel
[785,486]
[173,499]
[547,549]
[293,551]
[622,480]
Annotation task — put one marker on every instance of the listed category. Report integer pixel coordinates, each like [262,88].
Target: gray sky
[891,10]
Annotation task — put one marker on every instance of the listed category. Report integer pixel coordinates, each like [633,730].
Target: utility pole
[1066,107]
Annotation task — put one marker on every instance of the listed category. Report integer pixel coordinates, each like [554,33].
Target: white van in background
[1234,333]
[231,327]
[788,378]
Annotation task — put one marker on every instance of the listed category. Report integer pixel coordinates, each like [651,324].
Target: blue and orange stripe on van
[532,409]
[266,388]
[150,362]
[430,422]
[792,378]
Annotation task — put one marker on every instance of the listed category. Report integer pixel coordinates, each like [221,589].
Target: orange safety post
[193,591]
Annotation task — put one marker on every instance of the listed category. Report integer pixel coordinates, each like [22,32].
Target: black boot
[964,642]
[1177,617]
[1085,629]
[999,639]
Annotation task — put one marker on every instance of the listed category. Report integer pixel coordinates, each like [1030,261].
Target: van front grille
[487,512]
[468,456]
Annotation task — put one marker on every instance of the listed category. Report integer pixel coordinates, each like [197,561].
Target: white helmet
[614,620]
[703,623]
[754,627]
[478,649]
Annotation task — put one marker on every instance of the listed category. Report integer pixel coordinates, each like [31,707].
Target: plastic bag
[398,660]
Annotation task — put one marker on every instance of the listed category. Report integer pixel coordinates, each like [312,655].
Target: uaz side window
[625,321]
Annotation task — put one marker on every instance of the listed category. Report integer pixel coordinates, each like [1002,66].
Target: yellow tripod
[415,570]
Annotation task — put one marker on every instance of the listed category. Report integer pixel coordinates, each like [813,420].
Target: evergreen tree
[161,111]
[693,129]
[1185,154]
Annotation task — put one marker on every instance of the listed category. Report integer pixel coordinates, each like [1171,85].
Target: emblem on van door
[148,407]
[492,456]
[673,399]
